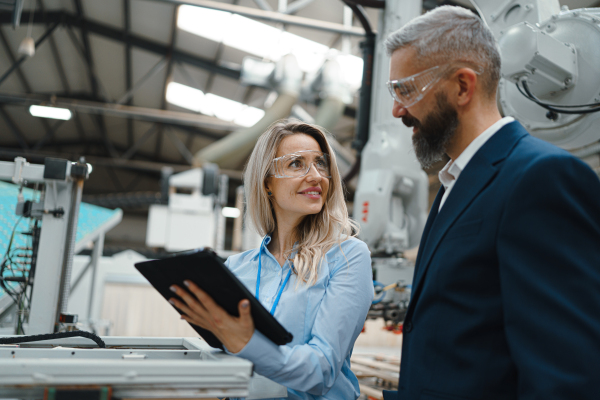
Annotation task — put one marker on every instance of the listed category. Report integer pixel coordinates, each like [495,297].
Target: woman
[309,272]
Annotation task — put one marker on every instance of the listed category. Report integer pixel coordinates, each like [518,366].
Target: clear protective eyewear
[297,165]
[410,90]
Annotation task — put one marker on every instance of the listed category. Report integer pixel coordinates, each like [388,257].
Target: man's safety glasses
[297,165]
[410,90]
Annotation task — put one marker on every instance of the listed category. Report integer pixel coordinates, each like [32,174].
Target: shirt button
[407,327]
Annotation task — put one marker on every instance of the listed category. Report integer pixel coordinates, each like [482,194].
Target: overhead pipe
[236,146]
[272,16]
[118,110]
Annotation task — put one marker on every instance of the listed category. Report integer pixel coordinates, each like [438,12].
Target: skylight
[264,40]
[211,104]
[50,112]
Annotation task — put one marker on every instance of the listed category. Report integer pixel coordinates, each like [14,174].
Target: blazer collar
[482,169]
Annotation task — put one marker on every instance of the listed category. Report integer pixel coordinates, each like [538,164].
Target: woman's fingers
[193,307]
[244,310]
[201,295]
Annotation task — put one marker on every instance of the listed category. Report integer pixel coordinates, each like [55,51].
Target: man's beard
[431,139]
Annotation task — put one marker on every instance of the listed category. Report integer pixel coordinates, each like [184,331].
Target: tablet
[206,269]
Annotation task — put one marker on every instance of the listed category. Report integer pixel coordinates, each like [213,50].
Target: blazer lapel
[478,173]
[433,212]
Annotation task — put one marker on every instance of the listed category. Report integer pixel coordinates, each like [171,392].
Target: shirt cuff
[258,349]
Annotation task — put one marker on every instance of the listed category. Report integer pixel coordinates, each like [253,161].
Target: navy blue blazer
[506,292]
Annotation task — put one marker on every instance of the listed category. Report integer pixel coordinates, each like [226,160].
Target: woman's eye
[295,163]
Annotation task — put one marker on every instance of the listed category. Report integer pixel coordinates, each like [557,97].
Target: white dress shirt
[451,171]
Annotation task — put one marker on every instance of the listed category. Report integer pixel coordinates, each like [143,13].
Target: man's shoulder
[532,151]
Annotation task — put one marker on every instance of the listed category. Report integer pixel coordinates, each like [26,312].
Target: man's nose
[398,110]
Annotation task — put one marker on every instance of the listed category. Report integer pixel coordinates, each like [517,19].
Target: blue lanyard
[287,278]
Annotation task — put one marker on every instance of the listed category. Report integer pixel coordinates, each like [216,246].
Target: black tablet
[206,269]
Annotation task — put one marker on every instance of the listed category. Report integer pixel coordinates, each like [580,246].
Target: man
[506,293]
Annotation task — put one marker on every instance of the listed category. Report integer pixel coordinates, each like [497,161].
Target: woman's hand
[200,309]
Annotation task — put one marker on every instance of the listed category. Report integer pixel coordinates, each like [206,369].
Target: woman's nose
[313,173]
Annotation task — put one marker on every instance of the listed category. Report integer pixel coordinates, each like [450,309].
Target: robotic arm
[550,59]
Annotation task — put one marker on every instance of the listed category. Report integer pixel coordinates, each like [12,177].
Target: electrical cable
[50,336]
[566,109]
[360,13]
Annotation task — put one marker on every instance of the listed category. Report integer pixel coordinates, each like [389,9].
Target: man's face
[433,119]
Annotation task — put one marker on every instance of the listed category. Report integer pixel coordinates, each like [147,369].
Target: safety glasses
[297,165]
[410,90]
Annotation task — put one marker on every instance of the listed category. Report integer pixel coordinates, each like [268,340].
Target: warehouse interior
[159,103]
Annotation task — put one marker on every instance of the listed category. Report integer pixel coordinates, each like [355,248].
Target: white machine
[58,210]
[550,83]
[128,368]
[192,218]
[75,367]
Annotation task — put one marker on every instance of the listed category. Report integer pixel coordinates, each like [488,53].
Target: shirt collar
[451,171]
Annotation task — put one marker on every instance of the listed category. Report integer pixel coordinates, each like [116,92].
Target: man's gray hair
[449,34]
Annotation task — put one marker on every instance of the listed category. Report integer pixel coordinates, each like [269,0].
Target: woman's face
[294,198]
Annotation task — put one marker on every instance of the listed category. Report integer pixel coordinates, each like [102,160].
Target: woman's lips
[312,195]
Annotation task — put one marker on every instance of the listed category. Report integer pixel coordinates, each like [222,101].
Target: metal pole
[65,284]
[220,203]
[96,255]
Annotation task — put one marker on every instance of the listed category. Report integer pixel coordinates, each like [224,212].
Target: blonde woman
[312,275]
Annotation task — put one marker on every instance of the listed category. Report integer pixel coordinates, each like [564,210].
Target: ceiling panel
[195,44]
[150,93]
[109,59]
[190,76]
[73,63]
[152,19]
[109,12]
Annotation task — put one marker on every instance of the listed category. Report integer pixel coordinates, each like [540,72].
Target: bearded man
[506,294]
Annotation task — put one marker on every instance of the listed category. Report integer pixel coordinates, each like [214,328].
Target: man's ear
[467,83]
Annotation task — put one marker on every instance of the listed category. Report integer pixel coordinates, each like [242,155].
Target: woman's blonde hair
[316,233]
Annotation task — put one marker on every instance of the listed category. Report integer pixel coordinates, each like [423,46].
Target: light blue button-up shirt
[325,319]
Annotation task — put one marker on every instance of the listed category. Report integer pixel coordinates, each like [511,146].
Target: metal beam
[272,16]
[132,40]
[94,81]
[168,77]
[50,131]
[263,5]
[145,114]
[61,70]
[139,143]
[297,6]
[23,58]
[153,71]
[181,147]
[13,61]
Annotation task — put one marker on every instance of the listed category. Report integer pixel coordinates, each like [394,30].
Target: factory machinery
[55,359]
[550,83]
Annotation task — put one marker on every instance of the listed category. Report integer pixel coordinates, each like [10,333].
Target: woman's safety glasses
[410,90]
[297,165]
